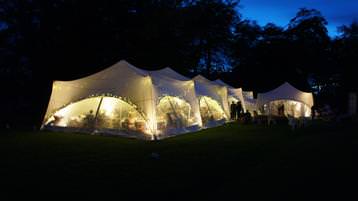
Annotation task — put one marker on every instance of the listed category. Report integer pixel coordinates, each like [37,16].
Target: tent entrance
[210,110]
[100,113]
[173,113]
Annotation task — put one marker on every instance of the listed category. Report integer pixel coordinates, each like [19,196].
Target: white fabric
[143,89]
[285,92]
[251,105]
[166,84]
[233,93]
[205,87]
[147,93]
[290,108]
[250,101]
[170,73]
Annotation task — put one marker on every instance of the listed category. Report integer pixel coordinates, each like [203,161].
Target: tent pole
[97,111]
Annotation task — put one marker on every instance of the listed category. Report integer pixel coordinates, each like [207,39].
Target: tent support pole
[97,111]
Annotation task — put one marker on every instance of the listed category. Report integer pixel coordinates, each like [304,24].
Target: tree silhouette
[42,41]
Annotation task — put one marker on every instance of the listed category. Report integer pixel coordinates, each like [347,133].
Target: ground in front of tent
[254,161]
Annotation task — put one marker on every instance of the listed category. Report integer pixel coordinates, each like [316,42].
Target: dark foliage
[42,41]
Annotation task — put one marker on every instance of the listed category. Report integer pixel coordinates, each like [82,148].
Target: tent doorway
[100,112]
[173,113]
[210,110]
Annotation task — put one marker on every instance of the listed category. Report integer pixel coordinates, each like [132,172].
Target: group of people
[235,110]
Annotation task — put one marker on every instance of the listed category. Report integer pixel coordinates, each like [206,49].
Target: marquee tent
[292,101]
[213,101]
[123,99]
[234,94]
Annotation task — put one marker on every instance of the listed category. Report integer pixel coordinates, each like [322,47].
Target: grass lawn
[232,160]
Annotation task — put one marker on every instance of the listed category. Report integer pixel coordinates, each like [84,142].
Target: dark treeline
[42,41]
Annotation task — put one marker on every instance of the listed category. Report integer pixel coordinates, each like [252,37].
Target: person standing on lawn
[238,109]
[233,111]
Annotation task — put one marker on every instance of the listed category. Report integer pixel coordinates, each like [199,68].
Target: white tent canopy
[290,97]
[233,93]
[170,73]
[144,101]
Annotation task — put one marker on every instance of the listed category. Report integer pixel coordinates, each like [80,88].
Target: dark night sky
[337,12]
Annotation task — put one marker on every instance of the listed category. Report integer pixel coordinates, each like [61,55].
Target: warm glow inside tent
[213,101]
[113,113]
[212,97]
[286,100]
[234,94]
[123,99]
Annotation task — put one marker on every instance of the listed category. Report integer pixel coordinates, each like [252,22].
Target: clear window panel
[174,113]
[113,113]
[210,110]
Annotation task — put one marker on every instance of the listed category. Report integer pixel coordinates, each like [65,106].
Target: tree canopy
[42,41]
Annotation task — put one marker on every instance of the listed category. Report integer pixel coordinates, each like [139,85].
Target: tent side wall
[204,87]
[192,98]
[237,93]
[184,90]
[223,93]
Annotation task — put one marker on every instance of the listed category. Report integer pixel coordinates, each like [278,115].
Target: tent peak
[290,85]
[123,63]
[222,83]
[169,72]
[201,78]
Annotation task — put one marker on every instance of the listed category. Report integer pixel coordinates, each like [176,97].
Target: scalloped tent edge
[143,88]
